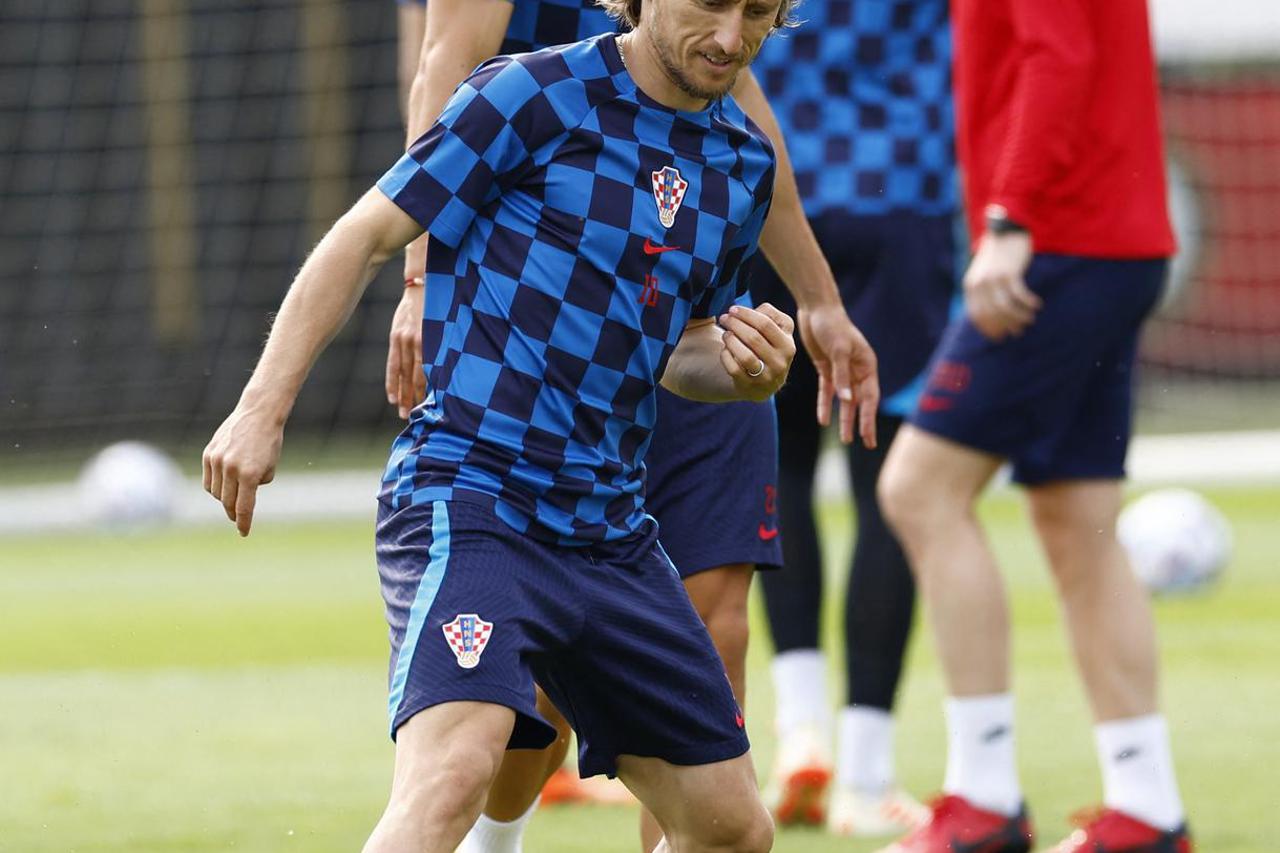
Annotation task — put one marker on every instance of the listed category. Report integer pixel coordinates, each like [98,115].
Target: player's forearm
[695,370]
[317,306]
[1055,82]
[439,73]
[787,240]
[457,39]
[460,34]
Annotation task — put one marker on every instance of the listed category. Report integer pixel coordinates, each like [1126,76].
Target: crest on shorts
[668,192]
[467,635]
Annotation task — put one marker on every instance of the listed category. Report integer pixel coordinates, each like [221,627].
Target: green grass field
[191,691]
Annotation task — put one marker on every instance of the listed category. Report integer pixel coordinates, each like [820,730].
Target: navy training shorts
[1058,400]
[711,483]
[478,611]
[896,273]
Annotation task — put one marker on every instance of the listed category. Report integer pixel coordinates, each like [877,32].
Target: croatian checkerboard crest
[668,192]
[467,635]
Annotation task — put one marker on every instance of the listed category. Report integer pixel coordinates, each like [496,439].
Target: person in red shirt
[1059,142]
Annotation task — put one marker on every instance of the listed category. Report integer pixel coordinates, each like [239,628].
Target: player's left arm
[746,357]
[845,362]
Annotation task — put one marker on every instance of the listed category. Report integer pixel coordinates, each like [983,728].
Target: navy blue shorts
[711,483]
[480,612]
[897,277]
[1058,400]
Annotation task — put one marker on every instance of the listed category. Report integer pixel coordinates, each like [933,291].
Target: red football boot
[563,786]
[955,826]
[1106,830]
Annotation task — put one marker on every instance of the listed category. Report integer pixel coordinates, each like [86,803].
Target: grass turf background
[190,691]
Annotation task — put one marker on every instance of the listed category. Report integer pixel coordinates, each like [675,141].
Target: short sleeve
[458,167]
[735,272]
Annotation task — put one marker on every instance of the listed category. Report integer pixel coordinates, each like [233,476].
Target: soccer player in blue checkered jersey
[512,538]
[862,91]
[717,527]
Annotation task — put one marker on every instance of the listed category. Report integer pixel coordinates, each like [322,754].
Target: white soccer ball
[129,485]
[1176,540]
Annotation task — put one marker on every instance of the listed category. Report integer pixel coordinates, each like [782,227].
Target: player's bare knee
[730,631]
[903,497]
[760,834]
[754,834]
[455,781]
[1078,539]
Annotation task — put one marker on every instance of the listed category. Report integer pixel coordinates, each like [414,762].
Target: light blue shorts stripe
[437,562]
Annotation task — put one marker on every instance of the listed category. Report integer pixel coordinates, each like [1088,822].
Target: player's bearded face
[703,44]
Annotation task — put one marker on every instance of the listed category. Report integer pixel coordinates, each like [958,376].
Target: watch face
[998,221]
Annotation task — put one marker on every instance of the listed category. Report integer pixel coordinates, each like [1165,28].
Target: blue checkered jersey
[862,91]
[576,227]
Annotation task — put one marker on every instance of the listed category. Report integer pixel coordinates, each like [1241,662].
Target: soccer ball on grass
[1176,540]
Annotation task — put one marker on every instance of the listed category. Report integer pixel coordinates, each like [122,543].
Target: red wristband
[413,282]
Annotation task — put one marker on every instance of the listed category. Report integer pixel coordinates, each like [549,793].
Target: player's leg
[707,807]
[928,490]
[935,471]
[712,489]
[879,602]
[644,681]
[801,768]
[446,757]
[1108,616]
[468,605]
[1075,496]
[720,597]
[1113,637]
[517,789]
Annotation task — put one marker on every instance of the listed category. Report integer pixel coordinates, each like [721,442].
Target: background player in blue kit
[862,94]
[711,479]
[512,537]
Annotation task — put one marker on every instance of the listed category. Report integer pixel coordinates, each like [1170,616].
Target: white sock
[495,836]
[1137,770]
[865,743]
[800,689]
[980,759]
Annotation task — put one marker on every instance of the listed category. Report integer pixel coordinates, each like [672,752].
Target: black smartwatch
[998,221]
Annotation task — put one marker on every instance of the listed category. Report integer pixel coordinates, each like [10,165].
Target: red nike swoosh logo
[767,533]
[931,403]
[654,249]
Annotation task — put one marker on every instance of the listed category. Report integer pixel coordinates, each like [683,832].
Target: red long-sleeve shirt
[1057,120]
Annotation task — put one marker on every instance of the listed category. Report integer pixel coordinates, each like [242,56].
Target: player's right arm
[460,34]
[243,453]
[439,185]
[746,357]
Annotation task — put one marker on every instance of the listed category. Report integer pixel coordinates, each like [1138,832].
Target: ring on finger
[759,369]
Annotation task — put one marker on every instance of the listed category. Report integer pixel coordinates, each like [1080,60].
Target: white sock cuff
[1112,734]
[865,749]
[1138,776]
[981,762]
[984,706]
[498,836]
[800,689]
